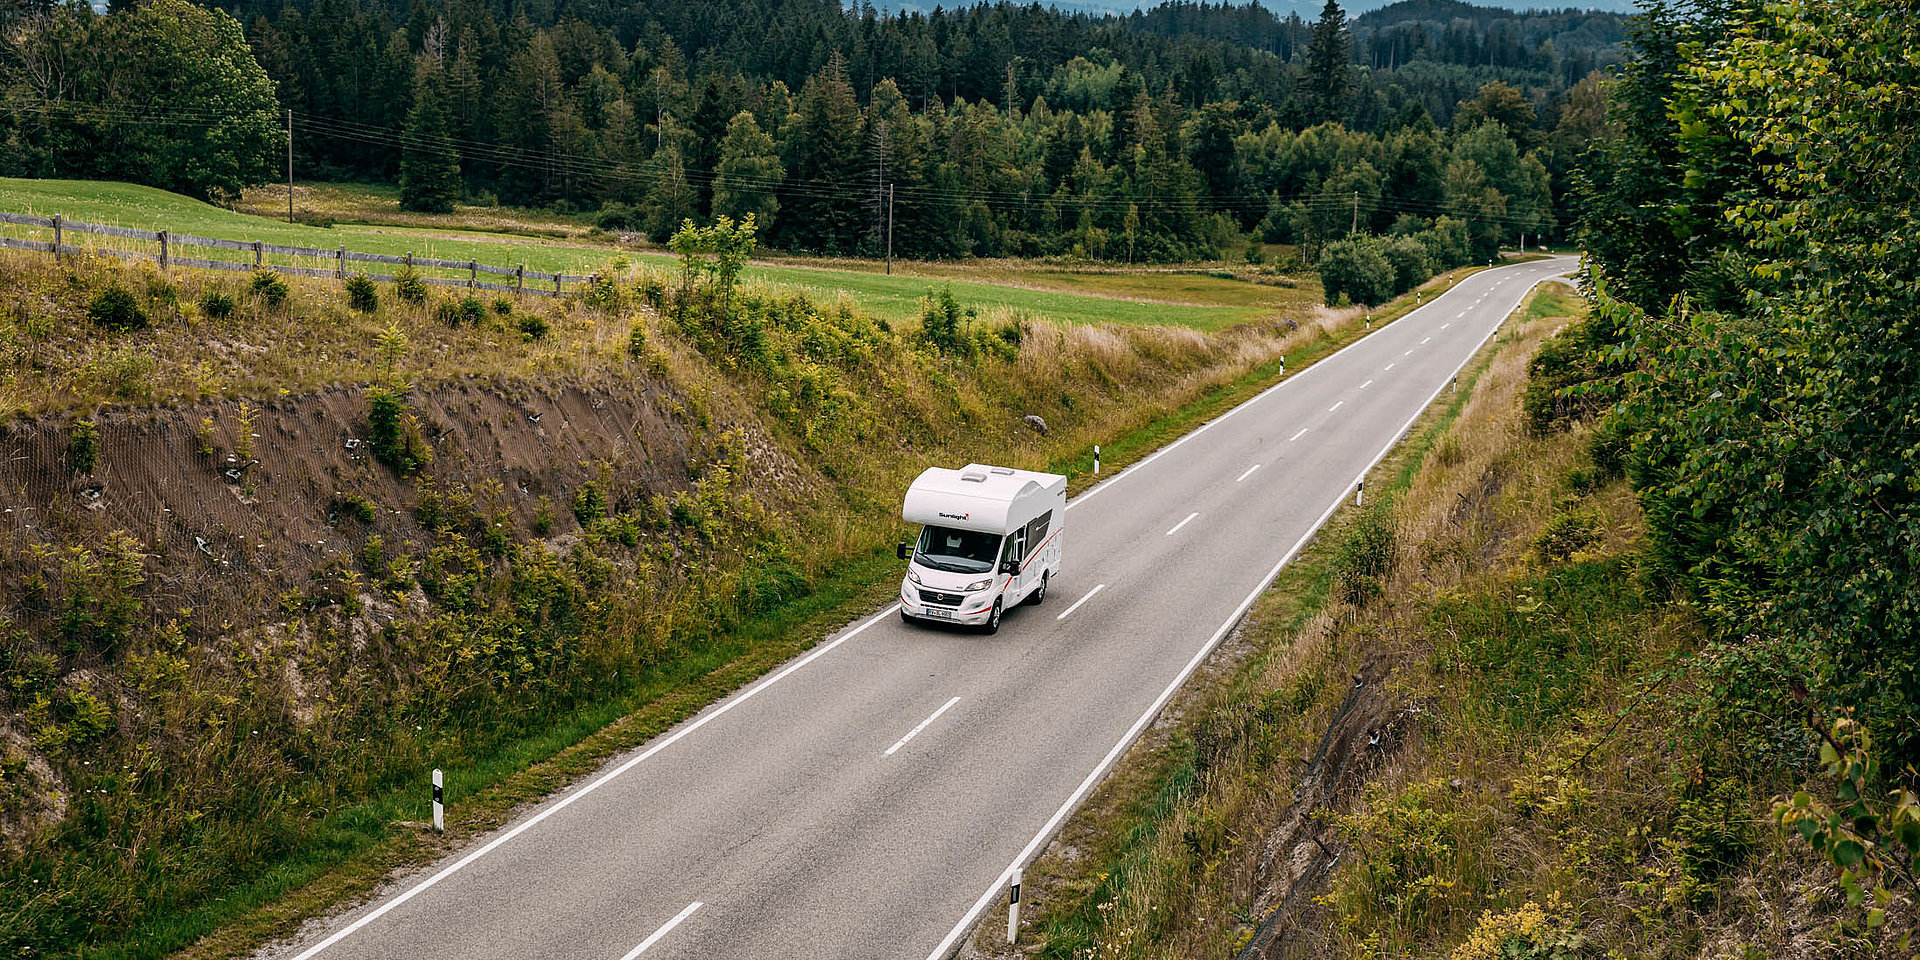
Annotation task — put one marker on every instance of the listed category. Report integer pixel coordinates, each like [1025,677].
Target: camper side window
[1037,530]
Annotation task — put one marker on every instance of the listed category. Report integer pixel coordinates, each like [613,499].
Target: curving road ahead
[871,798]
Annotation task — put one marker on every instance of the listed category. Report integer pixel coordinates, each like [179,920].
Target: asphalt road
[871,798]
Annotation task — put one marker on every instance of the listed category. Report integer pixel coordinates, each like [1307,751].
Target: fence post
[340,264]
[57,232]
[165,261]
[473,273]
[408,260]
[556,284]
[259,255]
[519,279]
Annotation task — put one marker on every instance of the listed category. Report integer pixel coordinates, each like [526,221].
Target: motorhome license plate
[939,613]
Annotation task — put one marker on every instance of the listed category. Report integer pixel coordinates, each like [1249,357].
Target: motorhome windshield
[957,551]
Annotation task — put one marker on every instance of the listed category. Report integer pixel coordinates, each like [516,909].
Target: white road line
[1336,405]
[897,744]
[1077,603]
[1369,383]
[1177,526]
[1302,433]
[1249,473]
[569,799]
[1409,353]
[1389,367]
[1445,325]
[1424,342]
[654,937]
[996,889]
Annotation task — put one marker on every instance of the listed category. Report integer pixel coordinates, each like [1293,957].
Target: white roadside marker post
[1358,489]
[1096,459]
[1013,909]
[439,805]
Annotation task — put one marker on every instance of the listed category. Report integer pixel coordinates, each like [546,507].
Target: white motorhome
[990,538]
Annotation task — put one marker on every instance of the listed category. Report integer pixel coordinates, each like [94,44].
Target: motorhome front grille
[944,599]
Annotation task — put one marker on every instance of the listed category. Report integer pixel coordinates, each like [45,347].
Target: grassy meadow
[998,290]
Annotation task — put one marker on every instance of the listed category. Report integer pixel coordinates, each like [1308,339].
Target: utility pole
[289,164]
[889,229]
[1356,213]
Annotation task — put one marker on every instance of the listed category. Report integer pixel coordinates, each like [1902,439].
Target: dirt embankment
[236,504]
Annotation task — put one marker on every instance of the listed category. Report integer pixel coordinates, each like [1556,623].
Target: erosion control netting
[238,507]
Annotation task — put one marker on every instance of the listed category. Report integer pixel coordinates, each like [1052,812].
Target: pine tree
[429,167]
[1329,79]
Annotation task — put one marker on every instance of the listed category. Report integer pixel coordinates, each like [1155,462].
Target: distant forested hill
[994,129]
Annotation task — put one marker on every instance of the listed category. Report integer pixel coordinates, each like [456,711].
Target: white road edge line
[568,800]
[897,744]
[951,944]
[1336,405]
[1249,473]
[654,937]
[1302,433]
[1177,526]
[1077,603]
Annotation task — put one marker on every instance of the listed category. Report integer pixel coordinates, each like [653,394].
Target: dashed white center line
[1424,342]
[1445,325]
[1302,433]
[897,744]
[1249,473]
[1369,383]
[1336,406]
[1389,367]
[1077,603]
[1409,353]
[657,934]
[1177,526]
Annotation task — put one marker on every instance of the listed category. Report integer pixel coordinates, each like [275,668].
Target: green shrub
[1366,555]
[1566,534]
[394,433]
[362,294]
[589,503]
[116,309]
[408,286]
[269,286]
[1409,260]
[217,304]
[533,326]
[503,306]
[83,446]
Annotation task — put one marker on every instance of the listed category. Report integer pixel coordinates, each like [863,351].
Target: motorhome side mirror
[901,550]
[1009,566]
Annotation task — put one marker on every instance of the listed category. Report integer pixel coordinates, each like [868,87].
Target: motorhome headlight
[912,576]
[978,585]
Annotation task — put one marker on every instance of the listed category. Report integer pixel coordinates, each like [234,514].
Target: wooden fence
[170,244]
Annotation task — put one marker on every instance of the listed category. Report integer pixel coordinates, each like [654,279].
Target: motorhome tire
[1039,594]
[993,619]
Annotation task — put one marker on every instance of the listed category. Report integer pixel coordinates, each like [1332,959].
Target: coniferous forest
[991,130]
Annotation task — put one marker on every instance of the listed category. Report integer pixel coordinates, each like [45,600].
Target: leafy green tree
[166,94]
[1499,103]
[429,165]
[1356,271]
[750,173]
